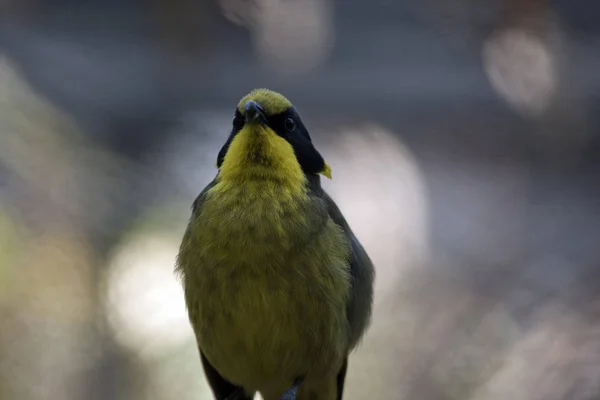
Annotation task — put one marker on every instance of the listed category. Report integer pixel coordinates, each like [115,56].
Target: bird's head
[268,139]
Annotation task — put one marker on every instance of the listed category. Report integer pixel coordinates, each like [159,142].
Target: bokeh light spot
[145,303]
[522,69]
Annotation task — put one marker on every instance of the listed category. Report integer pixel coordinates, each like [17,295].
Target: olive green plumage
[278,288]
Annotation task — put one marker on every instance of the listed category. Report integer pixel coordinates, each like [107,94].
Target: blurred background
[463,137]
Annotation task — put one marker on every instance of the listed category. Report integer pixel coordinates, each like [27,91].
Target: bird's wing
[362,274]
[197,204]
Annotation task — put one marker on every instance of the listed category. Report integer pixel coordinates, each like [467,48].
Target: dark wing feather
[196,205]
[361,269]
[201,197]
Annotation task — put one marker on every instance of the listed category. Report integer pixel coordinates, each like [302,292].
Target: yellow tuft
[326,171]
[272,102]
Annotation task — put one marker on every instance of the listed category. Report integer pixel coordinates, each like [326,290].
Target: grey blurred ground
[513,211]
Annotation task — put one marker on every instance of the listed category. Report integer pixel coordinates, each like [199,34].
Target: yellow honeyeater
[278,288]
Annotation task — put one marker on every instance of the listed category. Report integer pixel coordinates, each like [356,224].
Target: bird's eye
[238,121]
[290,124]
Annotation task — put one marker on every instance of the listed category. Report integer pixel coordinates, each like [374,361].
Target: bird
[278,288]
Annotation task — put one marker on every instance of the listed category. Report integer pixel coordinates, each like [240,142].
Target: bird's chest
[269,290]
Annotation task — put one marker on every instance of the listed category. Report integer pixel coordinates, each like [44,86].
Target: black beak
[254,113]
